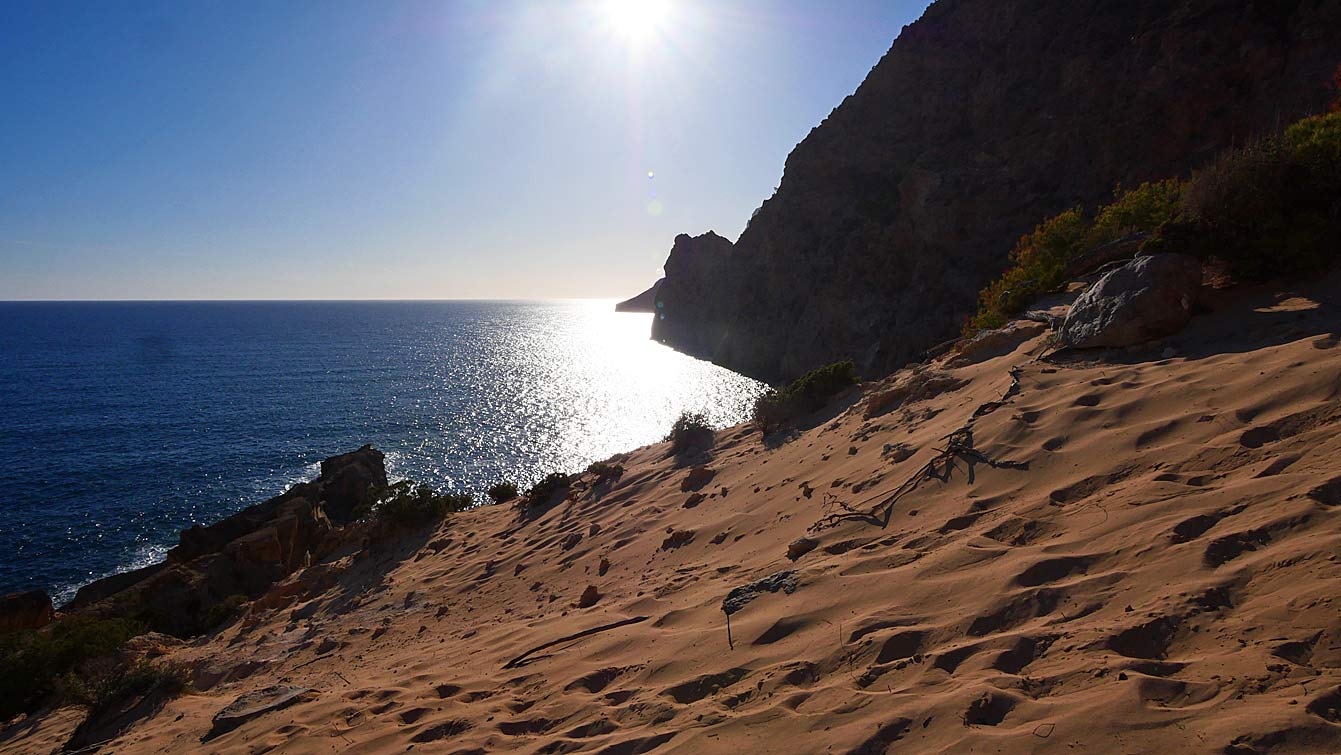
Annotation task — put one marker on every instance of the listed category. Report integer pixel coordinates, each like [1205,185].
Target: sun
[637,19]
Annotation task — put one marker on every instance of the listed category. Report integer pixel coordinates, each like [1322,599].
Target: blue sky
[347,150]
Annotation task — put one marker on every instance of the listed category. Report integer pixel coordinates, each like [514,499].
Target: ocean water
[123,423]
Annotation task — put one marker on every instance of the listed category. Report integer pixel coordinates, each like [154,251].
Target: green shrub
[1037,264]
[410,504]
[503,492]
[31,662]
[690,429]
[606,471]
[1142,209]
[806,394]
[1316,139]
[543,491]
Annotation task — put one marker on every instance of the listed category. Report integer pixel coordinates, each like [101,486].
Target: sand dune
[1140,555]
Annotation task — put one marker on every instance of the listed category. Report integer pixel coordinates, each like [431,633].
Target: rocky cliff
[984,117]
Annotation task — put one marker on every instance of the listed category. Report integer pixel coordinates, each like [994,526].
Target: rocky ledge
[240,557]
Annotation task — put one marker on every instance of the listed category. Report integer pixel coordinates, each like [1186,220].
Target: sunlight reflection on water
[128,422]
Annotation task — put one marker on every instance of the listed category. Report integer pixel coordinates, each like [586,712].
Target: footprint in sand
[1259,436]
[990,709]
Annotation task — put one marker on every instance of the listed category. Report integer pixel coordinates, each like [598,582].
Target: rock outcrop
[983,118]
[1147,298]
[25,610]
[644,302]
[244,554]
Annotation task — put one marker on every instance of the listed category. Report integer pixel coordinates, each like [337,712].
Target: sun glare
[637,19]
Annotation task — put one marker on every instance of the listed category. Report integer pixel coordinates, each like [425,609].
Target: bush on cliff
[1139,210]
[1039,261]
[1267,209]
[411,504]
[802,396]
[503,492]
[1036,265]
[32,661]
[691,429]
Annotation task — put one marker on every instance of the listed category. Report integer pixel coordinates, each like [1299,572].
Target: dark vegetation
[36,665]
[223,611]
[604,471]
[808,393]
[546,489]
[1269,208]
[411,504]
[107,681]
[503,492]
[691,429]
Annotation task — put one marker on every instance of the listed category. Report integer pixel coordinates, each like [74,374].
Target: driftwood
[958,445]
[521,659]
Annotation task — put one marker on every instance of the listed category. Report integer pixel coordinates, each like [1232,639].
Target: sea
[122,423]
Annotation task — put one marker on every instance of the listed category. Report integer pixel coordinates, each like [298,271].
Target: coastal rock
[1147,298]
[242,555]
[984,118]
[25,610]
[644,302]
[692,314]
[255,704]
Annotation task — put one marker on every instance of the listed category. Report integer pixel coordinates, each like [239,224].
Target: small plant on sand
[411,504]
[604,471]
[503,492]
[104,682]
[544,491]
[691,429]
[31,661]
[802,396]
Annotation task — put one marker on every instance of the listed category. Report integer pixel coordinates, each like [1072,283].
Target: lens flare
[637,19]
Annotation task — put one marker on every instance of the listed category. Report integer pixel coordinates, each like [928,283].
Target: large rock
[1149,297]
[25,610]
[243,554]
[985,117]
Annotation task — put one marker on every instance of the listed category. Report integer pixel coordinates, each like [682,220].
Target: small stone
[589,598]
[801,546]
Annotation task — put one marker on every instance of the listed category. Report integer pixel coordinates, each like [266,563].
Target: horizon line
[311,301]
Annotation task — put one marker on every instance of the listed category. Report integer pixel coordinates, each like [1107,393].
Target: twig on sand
[521,659]
[958,445]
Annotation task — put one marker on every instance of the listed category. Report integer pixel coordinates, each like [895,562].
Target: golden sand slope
[1163,576]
